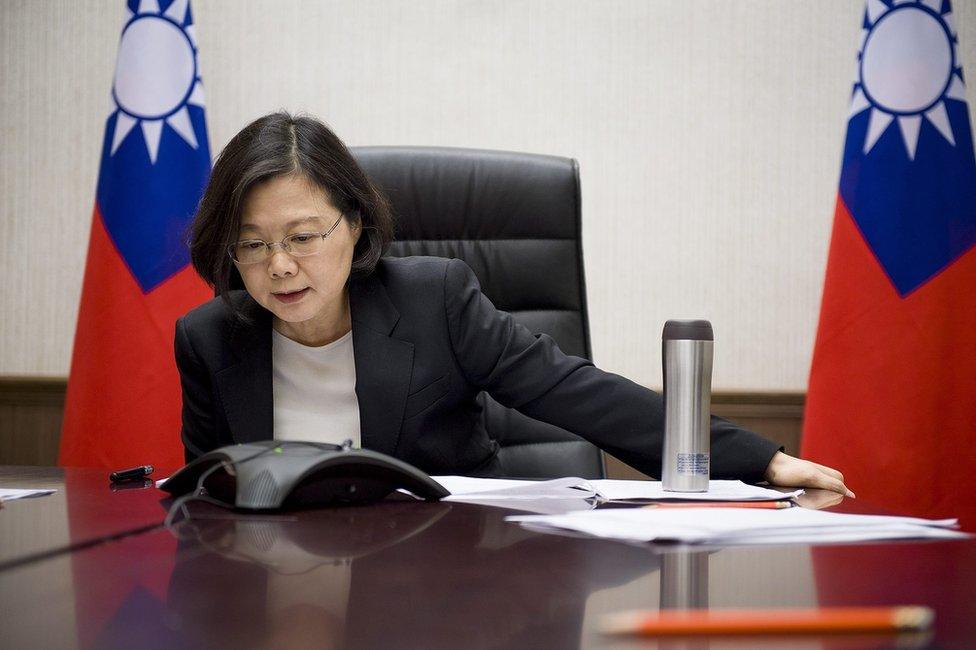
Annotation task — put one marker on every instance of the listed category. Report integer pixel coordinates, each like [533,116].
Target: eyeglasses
[299,244]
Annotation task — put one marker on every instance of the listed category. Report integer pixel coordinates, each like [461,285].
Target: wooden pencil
[825,620]
[761,505]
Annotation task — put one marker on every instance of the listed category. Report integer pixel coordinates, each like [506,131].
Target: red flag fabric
[122,406]
[892,394]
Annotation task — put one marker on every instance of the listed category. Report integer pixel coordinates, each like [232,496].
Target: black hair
[276,145]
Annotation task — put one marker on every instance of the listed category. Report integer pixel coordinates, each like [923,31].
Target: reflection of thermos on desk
[684,580]
[687,360]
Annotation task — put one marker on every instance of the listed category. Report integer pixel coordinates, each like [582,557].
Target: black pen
[130,474]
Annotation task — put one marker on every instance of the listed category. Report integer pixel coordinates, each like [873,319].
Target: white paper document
[540,497]
[735,526]
[463,487]
[9,494]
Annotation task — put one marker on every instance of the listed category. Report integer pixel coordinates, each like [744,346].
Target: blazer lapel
[246,387]
[383,365]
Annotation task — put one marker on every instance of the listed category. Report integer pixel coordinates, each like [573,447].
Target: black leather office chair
[515,220]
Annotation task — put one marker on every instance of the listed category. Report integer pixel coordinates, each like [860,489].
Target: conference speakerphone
[271,474]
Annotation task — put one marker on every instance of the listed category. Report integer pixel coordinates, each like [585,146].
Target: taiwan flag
[122,406]
[892,395]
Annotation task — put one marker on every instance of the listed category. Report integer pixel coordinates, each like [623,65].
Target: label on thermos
[693,464]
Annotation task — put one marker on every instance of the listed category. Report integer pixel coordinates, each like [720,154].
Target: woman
[329,342]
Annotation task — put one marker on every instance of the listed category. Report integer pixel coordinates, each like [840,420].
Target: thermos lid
[683,330]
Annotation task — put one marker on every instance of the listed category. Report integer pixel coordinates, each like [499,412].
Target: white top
[315,391]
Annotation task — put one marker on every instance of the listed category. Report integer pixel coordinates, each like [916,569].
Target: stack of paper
[618,490]
[542,497]
[733,526]
[9,494]
[572,493]
[502,488]
[463,488]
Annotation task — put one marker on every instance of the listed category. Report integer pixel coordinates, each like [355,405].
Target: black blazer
[426,342]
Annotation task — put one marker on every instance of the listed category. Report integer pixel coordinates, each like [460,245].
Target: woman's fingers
[823,480]
[830,470]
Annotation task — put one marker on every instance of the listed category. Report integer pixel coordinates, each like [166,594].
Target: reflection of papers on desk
[463,487]
[731,526]
[9,494]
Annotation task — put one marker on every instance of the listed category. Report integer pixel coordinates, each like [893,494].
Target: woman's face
[307,294]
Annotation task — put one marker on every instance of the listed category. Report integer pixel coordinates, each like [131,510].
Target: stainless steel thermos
[687,359]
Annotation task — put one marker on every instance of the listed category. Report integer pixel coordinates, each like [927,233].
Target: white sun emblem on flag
[156,75]
[907,66]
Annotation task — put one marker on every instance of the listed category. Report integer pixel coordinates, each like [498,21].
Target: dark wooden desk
[84,510]
[409,575]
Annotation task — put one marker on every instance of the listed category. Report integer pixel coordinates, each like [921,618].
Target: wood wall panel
[30,420]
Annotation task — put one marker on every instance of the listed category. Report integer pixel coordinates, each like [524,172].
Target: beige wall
[708,133]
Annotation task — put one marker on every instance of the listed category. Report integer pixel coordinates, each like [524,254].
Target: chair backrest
[514,218]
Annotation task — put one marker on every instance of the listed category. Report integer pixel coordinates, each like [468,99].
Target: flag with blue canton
[890,400]
[123,401]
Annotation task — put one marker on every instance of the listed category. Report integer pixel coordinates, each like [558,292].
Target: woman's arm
[530,373]
[198,430]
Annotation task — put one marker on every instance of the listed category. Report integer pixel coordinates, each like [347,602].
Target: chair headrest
[441,193]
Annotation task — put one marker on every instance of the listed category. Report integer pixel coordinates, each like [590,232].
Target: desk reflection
[284,579]
[390,575]
[684,580]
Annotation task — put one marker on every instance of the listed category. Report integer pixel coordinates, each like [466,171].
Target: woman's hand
[788,471]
